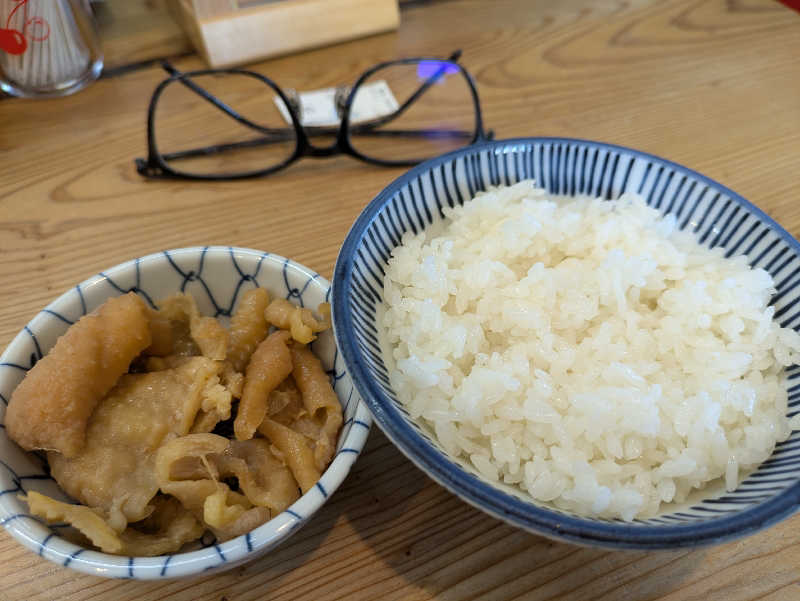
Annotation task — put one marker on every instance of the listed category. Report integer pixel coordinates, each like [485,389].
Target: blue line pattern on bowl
[713,213]
[213,298]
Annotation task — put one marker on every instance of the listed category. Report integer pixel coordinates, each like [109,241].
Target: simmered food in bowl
[223,283]
[135,409]
[587,351]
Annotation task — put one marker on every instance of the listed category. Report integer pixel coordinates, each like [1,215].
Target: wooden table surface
[712,84]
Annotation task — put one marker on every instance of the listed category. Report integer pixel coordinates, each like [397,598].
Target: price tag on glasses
[318,107]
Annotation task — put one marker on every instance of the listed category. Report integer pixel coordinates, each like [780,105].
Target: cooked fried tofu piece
[51,407]
[295,450]
[89,521]
[298,320]
[168,528]
[324,413]
[270,364]
[191,333]
[116,467]
[248,327]
[191,469]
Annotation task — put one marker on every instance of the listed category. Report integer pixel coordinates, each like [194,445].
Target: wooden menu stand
[233,32]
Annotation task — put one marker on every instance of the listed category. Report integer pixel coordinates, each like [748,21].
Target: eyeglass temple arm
[169,68]
[411,99]
[480,134]
[218,148]
[208,97]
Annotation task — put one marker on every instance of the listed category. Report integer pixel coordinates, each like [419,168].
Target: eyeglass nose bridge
[341,94]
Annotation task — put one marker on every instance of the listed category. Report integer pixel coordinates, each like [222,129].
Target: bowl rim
[234,551]
[531,517]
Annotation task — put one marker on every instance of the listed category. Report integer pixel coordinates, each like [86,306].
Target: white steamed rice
[586,351]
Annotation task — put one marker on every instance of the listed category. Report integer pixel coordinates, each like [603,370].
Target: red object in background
[12,41]
[795,4]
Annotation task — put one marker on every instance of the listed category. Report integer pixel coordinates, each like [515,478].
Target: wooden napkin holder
[233,32]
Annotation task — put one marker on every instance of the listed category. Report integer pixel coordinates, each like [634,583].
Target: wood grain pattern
[710,84]
[134,32]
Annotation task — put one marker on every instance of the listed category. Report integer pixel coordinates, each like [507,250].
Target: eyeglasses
[219,124]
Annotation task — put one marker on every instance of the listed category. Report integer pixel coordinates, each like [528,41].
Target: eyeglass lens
[435,112]
[222,145]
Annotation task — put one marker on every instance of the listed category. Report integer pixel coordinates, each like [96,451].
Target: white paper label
[318,107]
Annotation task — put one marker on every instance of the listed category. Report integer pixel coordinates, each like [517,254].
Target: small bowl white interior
[216,277]
[715,214]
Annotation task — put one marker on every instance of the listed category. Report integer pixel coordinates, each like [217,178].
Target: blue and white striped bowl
[717,216]
[215,276]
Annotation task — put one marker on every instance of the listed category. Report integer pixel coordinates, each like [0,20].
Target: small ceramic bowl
[715,214]
[215,276]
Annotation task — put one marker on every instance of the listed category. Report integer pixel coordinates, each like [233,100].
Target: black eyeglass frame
[155,166]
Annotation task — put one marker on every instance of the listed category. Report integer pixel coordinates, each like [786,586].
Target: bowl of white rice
[589,342]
